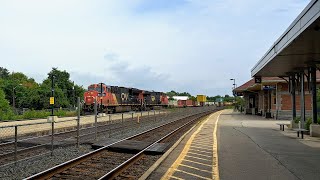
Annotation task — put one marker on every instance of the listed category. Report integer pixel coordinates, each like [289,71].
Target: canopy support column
[293,96]
[302,101]
[314,94]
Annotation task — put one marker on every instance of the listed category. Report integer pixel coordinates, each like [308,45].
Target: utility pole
[101,96]
[73,96]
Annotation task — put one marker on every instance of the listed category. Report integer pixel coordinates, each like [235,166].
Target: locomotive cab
[95,91]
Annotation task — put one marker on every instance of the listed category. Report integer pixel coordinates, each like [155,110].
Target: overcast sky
[183,45]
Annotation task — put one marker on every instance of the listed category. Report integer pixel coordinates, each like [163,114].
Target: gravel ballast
[35,165]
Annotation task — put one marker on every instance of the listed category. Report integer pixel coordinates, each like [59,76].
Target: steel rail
[28,149]
[119,169]
[61,167]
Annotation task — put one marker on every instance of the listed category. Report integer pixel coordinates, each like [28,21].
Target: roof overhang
[299,45]
[255,87]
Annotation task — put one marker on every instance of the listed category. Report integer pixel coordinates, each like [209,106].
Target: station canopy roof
[298,46]
[251,86]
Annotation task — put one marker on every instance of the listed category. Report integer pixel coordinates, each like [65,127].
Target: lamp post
[13,96]
[234,94]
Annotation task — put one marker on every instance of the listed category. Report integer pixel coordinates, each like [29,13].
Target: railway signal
[52,94]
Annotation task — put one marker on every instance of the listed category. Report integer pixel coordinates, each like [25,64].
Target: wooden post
[95,119]
[78,123]
[15,143]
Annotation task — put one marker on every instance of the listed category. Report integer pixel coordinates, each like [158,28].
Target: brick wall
[286,103]
[282,108]
[284,98]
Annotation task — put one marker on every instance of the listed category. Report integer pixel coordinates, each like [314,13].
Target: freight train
[188,103]
[113,99]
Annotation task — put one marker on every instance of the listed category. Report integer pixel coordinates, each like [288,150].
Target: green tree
[4,73]
[61,99]
[29,97]
[171,94]
[65,91]
[184,94]
[5,109]
[211,99]
[19,84]
[192,98]
[228,98]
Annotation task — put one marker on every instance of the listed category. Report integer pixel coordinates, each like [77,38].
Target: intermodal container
[189,103]
[201,98]
[181,103]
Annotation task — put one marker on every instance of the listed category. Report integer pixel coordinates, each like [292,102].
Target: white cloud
[196,46]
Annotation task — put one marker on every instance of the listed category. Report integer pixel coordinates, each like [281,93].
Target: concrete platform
[191,158]
[243,147]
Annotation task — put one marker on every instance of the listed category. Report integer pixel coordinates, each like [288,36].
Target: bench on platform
[282,125]
[302,131]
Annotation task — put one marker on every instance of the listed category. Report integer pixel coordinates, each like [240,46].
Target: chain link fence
[22,140]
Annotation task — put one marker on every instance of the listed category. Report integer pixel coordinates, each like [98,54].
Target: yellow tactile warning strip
[199,157]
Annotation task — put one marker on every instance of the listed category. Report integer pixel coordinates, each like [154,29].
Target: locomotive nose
[89,100]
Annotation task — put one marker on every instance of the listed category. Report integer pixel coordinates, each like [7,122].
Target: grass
[37,114]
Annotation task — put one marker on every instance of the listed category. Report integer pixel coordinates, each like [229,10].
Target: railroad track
[9,155]
[95,164]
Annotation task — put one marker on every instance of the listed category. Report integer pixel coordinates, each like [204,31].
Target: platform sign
[269,87]
[51,100]
[258,80]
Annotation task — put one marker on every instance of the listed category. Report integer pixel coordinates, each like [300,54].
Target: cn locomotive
[113,99]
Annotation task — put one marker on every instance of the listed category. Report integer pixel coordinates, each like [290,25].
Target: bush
[297,120]
[31,114]
[36,114]
[308,123]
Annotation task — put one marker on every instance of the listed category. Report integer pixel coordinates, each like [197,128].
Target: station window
[274,100]
[91,88]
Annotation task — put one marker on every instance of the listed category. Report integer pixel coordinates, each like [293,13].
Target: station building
[295,55]
[272,98]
